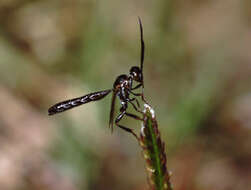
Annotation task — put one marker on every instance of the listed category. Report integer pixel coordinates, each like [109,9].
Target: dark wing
[142,55]
[69,104]
[112,110]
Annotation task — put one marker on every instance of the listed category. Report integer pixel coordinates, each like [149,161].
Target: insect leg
[120,116]
[128,130]
[135,107]
[136,101]
[136,94]
[139,94]
[136,87]
[133,116]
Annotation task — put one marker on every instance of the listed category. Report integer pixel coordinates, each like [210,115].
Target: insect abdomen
[68,104]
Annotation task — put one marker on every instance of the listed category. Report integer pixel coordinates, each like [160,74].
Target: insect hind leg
[133,116]
[119,117]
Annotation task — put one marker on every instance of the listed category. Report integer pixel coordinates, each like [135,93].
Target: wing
[142,55]
[112,110]
[69,104]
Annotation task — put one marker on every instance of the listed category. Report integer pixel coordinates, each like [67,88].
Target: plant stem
[154,152]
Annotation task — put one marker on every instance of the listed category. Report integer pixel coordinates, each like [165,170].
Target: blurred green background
[197,77]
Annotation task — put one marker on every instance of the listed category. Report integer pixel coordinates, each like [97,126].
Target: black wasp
[122,87]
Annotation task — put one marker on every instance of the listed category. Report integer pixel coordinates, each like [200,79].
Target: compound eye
[135,72]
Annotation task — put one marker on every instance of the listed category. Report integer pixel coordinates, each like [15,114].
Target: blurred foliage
[197,77]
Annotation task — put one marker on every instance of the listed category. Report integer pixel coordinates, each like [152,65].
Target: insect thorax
[121,80]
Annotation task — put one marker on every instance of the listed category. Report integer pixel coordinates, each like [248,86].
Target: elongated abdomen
[68,104]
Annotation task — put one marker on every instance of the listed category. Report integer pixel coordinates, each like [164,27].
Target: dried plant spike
[154,152]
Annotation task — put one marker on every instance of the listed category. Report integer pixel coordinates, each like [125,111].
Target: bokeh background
[197,77]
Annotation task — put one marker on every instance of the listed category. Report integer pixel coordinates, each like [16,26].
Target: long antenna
[142,55]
